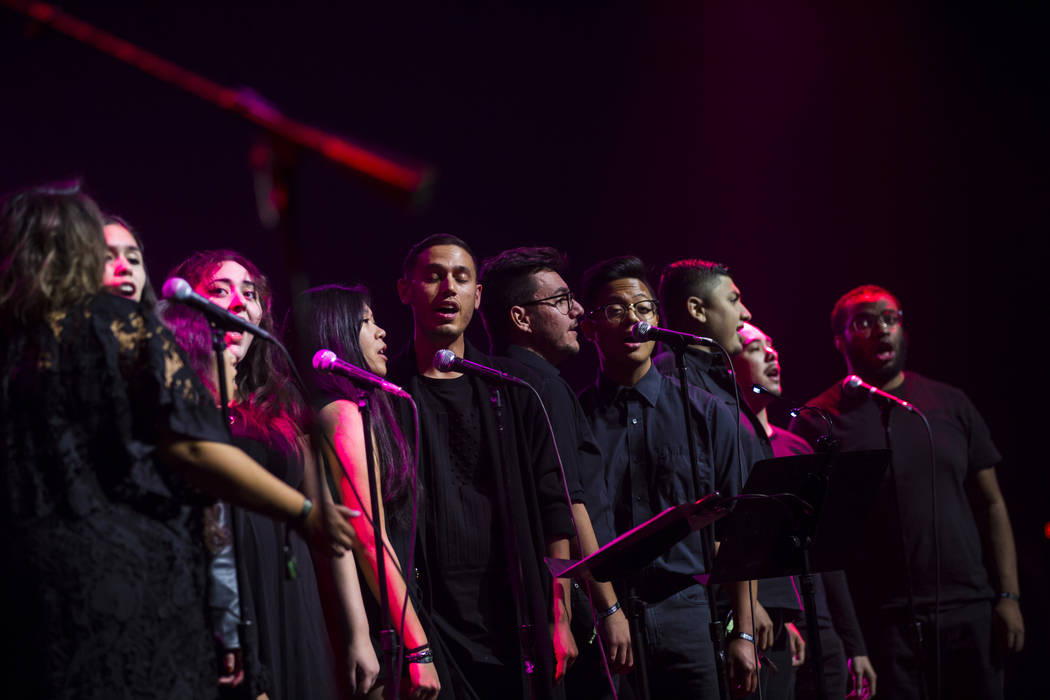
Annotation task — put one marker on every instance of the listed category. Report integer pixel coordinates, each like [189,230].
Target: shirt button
[634,420]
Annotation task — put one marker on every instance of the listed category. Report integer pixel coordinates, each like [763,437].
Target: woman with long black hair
[340,319]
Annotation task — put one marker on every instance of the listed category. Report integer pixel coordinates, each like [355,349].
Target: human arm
[362,665]
[741,654]
[993,521]
[614,629]
[565,651]
[343,430]
[227,472]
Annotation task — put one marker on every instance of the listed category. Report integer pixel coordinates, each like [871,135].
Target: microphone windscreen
[640,331]
[176,288]
[323,360]
[444,360]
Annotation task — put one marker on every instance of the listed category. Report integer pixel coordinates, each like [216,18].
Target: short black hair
[429,242]
[838,312]
[691,277]
[508,281]
[602,273]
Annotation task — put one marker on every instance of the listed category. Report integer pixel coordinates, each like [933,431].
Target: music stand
[638,547]
[805,515]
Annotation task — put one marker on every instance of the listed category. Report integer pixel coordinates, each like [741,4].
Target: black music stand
[638,547]
[804,516]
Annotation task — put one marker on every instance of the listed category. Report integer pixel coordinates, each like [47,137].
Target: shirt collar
[648,387]
[532,360]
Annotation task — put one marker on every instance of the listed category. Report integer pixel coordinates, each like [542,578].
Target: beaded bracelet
[420,655]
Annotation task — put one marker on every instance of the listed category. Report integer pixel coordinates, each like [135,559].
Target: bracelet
[298,520]
[610,611]
[743,635]
[416,650]
[1011,596]
[425,656]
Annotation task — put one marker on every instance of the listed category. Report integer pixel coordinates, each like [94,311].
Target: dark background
[811,150]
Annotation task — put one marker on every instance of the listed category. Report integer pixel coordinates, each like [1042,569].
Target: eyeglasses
[864,323]
[615,313]
[562,302]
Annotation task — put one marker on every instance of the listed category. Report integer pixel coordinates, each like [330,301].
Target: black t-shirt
[467,566]
[963,446]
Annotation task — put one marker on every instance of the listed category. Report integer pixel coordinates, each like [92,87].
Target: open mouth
[447,311]
[884,352]
[125,289]
[773,372]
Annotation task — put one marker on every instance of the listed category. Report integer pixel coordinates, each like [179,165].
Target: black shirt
[708,371]
[963,447]
[580,454]
[641,431]
[464,550]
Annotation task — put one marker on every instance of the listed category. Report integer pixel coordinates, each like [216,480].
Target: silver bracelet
[610,611]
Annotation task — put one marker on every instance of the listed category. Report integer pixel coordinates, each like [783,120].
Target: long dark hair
[331,317]
[52,252]
[149,295]
[267,403]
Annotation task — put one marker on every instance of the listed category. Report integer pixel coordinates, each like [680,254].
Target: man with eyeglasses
[533,319]
[638,420]
[700,297]
[895,583]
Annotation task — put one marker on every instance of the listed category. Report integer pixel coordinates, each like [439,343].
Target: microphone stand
[218,346]
[387,639]
[707,536]
[526,628]
[886,412]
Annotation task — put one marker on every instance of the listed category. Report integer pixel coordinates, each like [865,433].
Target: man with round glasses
[533,319]
[896,585]
[637,418]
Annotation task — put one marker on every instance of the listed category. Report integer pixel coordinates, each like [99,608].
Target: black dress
[103,591]
[292,638]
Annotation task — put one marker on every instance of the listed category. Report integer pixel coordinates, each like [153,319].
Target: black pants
[969,668]
[833,666]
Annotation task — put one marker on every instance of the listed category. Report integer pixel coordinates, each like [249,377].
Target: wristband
[423,655]
[610,611]
[1011,596]
[743,635]
[298,520]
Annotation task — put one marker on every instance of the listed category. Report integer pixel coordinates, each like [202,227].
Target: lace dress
[103,590]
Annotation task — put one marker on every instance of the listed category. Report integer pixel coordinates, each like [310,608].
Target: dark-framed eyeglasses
[561,301]
[863,323]
[615,313]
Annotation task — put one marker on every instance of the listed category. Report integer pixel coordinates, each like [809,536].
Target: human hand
[862,678]
[362,666]
[423,681]
[615,631]
[231,668]
[763,627]
[329,524]
[797,644]
[565,651]
[1009,625]
[742,667]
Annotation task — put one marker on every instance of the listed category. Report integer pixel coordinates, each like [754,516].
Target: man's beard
[878,373]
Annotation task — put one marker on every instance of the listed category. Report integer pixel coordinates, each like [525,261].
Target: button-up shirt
[708,371]
[641,431]
[580,455]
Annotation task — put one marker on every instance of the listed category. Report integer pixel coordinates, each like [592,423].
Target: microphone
[643,332]
[328,361]
[179,290]
[856,385]
[446,361]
